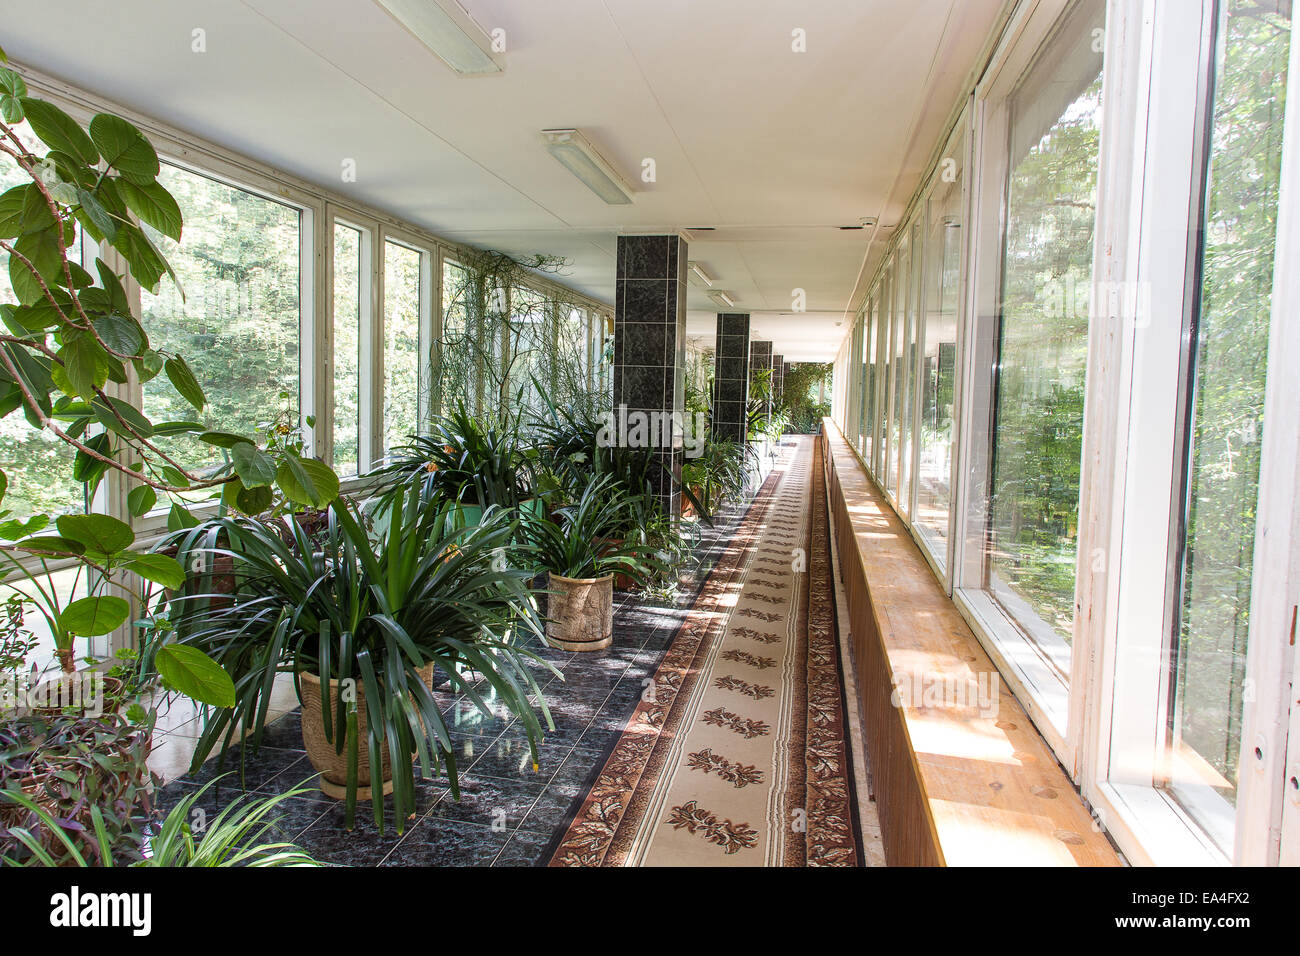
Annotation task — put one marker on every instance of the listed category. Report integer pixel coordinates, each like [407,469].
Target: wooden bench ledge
[957,782]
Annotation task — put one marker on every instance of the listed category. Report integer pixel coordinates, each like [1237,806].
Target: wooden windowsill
[960,774]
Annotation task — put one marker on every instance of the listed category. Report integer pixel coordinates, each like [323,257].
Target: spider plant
[719,473]
[573,541]
[231,839]
[466,460]
[373,608]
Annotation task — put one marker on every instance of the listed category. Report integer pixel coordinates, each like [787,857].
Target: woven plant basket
[580,613]
[333,766]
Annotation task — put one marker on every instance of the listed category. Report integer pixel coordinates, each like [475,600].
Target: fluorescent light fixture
[699,277]
[723,300]
[451,33]
[579,157]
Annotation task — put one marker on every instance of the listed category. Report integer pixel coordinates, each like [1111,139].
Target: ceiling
[773,149]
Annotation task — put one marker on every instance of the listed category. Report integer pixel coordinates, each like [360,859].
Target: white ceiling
[775,149]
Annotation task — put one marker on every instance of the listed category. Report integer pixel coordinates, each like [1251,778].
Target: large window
[938,372]
[349,301]
[37,464]
[237,315]
[1042,341]
[402,310]
[1226,411]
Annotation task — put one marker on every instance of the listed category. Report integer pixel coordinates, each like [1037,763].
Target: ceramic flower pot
[580,615]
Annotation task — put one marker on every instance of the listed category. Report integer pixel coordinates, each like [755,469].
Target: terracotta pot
[333,766]
[65,689]
[580,612]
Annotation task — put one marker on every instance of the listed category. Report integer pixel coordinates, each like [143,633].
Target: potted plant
[463,460]
[369,613]
[580,564]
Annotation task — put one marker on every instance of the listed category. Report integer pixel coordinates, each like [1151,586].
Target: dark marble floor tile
[441,842]
[261,770]
[489,800]
[551,810]
[524,848]
[510,757]
[285,733]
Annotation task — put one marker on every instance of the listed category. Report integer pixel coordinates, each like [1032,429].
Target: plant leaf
[191,672]
[100,533]
[59,131]
[307,481]
[124,148]
[93,616]
[183,380]
[254,467]
[158,568]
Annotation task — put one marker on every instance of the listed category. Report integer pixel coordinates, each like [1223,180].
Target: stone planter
[580,613]
[333,766]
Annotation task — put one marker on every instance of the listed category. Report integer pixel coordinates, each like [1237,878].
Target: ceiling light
[451,33]
[867,221]
[579,157]
[699,277]
[723,300]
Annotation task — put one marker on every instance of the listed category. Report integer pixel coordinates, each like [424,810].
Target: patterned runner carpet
[736,754]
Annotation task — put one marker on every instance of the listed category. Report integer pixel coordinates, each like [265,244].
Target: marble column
[650,353]
[731,376]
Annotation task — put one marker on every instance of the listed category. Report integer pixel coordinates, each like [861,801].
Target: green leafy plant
[718,473]
[231,839]
[73,786]
[72,337]
[466,460]
[374,609]
[573,541]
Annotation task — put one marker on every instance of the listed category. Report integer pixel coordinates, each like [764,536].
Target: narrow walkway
[736,754]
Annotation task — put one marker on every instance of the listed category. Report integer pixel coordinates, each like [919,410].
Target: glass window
[1226,408]
[885,327]
[402,267]
[908,405]
[37,464]
[938,377]
[347,348]
[868,404]
[459,376]
[898,374]
[1042,342]
[239,266]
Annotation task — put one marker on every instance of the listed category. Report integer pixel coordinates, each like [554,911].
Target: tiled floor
[507,813]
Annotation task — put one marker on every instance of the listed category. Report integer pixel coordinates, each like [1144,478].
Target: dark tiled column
[760,357]
[731,376]
[650,347]
[778,376]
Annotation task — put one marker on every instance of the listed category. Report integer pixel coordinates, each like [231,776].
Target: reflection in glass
[1043,343]
[347,348]
[238,263]
[939,356]
[401,343]
[1227,408]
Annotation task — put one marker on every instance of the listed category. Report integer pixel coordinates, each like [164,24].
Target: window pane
[347,349]
[1228,408]
[238,323]
[898,377]
[1046,277]
[939,356]
[458,367]
[885,323]
[37,464]
[401,343]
